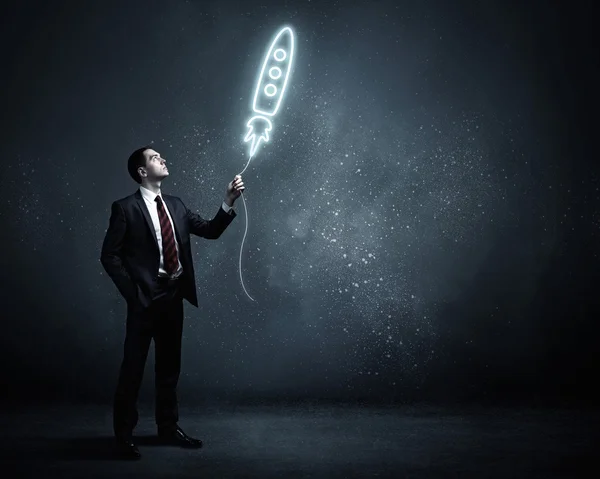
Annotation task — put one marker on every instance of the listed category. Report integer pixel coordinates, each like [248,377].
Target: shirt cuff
[226,207]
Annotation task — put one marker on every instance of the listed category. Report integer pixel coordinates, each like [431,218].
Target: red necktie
[168,240]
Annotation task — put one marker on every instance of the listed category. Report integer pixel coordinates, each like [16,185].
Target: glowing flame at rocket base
[270,87]
[258,130]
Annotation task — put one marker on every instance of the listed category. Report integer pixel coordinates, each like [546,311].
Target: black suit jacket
[130,253]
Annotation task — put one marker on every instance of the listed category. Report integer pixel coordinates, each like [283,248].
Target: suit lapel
[142,206]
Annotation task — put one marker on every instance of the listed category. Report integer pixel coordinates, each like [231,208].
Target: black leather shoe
[127,449]
[177,437]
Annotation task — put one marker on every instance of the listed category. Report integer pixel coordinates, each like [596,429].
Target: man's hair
[136,160]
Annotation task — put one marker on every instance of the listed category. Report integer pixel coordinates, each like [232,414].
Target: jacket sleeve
[209,229]
[112,249]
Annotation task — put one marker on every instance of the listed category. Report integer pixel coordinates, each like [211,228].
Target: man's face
[156,168]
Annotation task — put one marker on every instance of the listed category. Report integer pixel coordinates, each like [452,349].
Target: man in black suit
[147,254]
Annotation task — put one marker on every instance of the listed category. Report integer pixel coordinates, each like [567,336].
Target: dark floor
[309,441]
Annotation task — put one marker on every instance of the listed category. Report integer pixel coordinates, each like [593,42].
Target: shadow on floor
[85,448]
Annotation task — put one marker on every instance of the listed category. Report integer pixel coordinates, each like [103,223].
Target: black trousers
[163,322]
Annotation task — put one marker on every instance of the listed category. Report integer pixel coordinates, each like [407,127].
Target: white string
[245,231]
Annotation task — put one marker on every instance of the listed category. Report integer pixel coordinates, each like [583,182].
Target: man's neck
[154,187]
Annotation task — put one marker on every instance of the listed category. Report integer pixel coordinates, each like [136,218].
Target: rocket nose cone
[287,32]
[285,35]
[285,42]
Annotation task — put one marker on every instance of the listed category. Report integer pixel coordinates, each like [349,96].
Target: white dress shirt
[152,205]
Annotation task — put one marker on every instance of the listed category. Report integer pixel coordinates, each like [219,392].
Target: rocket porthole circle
[279,54]
[275,72]
[270,90]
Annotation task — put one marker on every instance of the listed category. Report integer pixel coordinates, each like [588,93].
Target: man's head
[147,163]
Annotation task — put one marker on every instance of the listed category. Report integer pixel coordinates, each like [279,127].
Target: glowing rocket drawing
[270,87]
